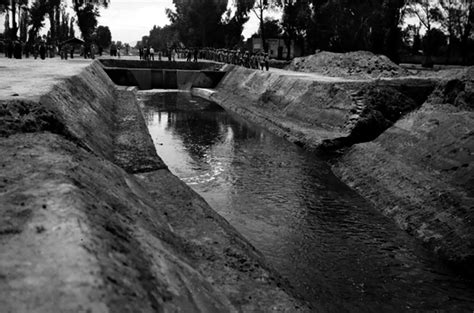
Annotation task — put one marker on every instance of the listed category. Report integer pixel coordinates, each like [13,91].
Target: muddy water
[333,247]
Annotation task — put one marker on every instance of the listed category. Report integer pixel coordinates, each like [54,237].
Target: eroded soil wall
[406,142]
[91,220]
[420,171]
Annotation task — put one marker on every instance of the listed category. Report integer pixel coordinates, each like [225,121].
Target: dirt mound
[355,65]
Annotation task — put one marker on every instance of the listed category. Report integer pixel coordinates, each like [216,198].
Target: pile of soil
[354,65]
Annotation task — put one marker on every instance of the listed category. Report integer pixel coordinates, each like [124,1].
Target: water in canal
[334,247]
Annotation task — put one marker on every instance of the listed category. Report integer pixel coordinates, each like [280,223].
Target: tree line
[24,20]
[389,27]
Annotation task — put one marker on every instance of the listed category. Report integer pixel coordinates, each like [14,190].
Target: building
[276,48]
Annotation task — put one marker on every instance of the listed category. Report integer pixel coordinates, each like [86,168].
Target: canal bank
[333,246]
[405,144]
[81,219]
[80,230]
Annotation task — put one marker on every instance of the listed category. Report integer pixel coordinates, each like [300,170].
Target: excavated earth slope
[354,65]
[406,142]
[420,171]
[91,220]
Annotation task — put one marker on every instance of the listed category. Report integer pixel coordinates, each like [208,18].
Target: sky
[130,20]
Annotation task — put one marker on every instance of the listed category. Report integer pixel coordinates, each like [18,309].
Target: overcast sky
[130,20]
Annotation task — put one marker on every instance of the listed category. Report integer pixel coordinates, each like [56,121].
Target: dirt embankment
[421,171]
[317,112]
[92,221]
[354,65]
[410,142]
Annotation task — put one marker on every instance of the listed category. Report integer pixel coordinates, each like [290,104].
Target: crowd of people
[258,60]
[41,49]
[148,53]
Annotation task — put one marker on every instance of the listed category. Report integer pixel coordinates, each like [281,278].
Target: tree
[197,22]
[38,11]
[12,6]
[4,5]
[208,23]
[71,28]
[434,41]
[18,10]
[258,7]
[23,21]
[161,38]
[458,19]
[64,31]
[53,13]
[87,12]
[87,21]
[295,21]
[103,36]
[4,9]
[14,28]
[233,25]
[390,19]
[143,42]
[412,38]
[427,12]
[271,28]
[347,25]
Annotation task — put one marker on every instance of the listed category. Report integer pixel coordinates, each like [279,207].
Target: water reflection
[334,247]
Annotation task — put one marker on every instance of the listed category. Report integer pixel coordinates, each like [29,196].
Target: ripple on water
[337,251]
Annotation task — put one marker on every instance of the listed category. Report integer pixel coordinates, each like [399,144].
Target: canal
[336,250]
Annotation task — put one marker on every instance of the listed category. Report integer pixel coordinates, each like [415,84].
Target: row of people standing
[148,54]
[259,60]
[16,49]
[41,49]
[13,49]
[192,54]
[114,50]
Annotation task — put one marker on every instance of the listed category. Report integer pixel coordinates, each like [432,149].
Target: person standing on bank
[10,49]
[17,49]
[196,52]
[93,51]
[261,60]
[42,51]
[152,54]
[64,51]
[113,50]
[173,55]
